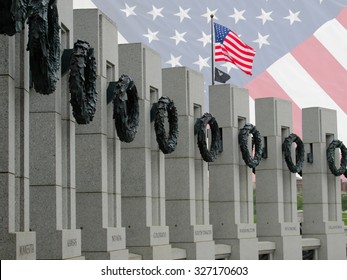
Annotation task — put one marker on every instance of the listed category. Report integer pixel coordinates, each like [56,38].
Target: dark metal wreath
[299,153]
[44,45]
[331,157]
[82,82]
[243,142]
[200,129]
[13,14]
[126,109]
[166,105]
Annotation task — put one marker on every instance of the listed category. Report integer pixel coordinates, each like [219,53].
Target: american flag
[301,45]
[230,48]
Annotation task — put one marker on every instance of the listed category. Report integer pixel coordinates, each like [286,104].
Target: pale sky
[83,4]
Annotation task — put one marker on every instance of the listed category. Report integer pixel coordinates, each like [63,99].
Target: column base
[80,258]
[18,246]
[111,255]
[147,236]
[241,248]
[159,252]
[191,234]
[201,250]
[197,240]
[102,240]
[332,246]
[60,245]
[287,247]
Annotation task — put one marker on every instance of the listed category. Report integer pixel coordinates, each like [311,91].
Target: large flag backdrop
[301,45]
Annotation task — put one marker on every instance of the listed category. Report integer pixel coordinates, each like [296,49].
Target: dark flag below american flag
[301,45]
[220,76]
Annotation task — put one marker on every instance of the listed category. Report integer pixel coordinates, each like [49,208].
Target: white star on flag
[129,11]
[208,14]
[262,40]
[202,62]
[237,15]
[156,12]
[152,36]
[205,39]
[182,14]
[179,37]
[265,16]
[293,17]
[174,61]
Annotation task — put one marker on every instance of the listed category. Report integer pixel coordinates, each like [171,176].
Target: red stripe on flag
[234,37]
[233,50]
[222,53]
[324,69]
[237,51]
[342,17]
[265,86]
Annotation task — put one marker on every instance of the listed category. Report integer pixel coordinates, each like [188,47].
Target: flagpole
[212,47]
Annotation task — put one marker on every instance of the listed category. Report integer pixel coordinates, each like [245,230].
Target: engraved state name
[335,227]
[71,242]
[203,232]
[159,234]
[247,230]
[26,249]
[288,228]
[116,238]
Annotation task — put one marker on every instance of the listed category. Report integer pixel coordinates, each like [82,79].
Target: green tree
[344,202]
[300,201]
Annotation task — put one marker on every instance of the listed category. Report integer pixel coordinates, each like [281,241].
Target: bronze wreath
[331,157]
[166,144]
[243,142]
[126,110]
[82,82]
[200,129]
[44,46]
[299,153]
[13,15]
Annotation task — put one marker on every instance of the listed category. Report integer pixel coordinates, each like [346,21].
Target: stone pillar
[276,196]
[16,240]
[97,149]
[186,173]
[143,169]
[231,190]
[52,163]
[321,189]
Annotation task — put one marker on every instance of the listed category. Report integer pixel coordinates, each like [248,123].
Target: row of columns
[84,194]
